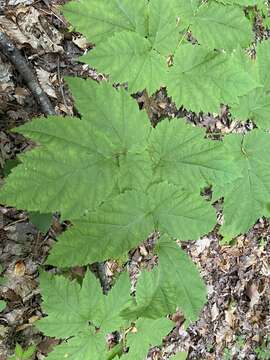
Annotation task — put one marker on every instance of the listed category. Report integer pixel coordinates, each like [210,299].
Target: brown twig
[61,87]
[15,57]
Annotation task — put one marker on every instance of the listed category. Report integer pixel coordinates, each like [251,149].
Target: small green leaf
[19,350]
[107,315]
[2,305]
[180,356]
[29,352]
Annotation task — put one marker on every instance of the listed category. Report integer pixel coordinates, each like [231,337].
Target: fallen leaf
[19,269]
[253,294]
[44,78]
[214,312]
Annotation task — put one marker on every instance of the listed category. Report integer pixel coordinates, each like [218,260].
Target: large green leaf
[218,26]
[82,313]
[87,345]
[184,278]
[137,57]
[262,60]
[202,79]
[107,313]
[242,2]
[174,283]
[57,176]
[256,104]
[247,198]
[106,17]
[128,57]
[181,155]
[69,307]
[215,25]
[181,214]
[78,162]
[116,227]
[163,27]
[127,127]
[146,334]
[123,222]
[111,111]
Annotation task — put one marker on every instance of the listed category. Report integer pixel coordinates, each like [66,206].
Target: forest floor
[235,322]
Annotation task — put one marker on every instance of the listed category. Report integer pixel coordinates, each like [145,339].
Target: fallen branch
[15,57]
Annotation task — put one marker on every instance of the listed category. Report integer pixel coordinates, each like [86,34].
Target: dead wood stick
[15,57]
[103,278]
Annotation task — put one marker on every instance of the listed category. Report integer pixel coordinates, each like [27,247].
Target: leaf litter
[236,318]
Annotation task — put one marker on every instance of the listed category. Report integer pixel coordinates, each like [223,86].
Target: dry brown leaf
[19,268]
[33,319]
[45,79]
[214,312]
[143,250]
[12,30]
[81,42]
[21,94]
[202,244]
[28,26]
[253,294]
[5,73]
[230,317]
[265,270]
